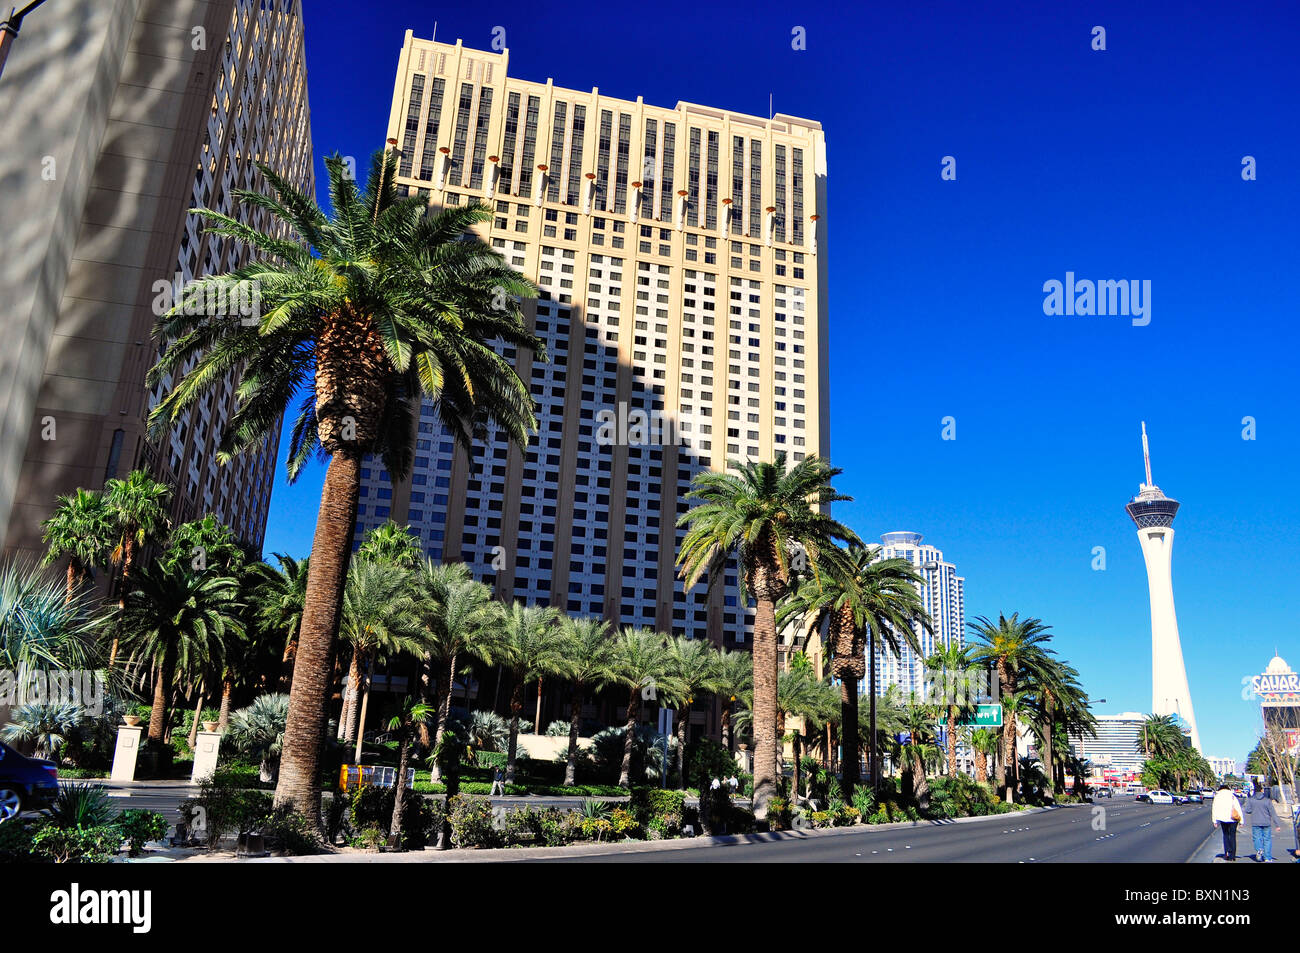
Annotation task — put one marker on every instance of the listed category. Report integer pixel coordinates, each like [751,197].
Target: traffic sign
[984,716]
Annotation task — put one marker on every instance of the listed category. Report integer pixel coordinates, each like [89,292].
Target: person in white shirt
[1225,813]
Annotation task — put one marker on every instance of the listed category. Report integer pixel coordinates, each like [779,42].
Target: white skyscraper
[942,595]
[1153,512]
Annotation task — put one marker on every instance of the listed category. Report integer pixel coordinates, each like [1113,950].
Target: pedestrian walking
[1225,814]
[498,783]
[1264,820]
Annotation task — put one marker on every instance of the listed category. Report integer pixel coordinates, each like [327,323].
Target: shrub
[596,828]
[821,819]
[591,808]
[82,805]
[140,827]
[523,826]
[372,838]
[647,802]
[472,823]
[558,729]
[79,845]
[373,807]
[705,760]
[740,820]
[490,759]
[779,813]
[224,807]
[15,841]
[865,801]
[847,816]
[557,828]
[286,830]
[623,823]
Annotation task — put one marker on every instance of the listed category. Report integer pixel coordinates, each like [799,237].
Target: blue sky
[1117,164]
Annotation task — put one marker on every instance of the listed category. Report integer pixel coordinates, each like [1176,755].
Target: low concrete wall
[548,747]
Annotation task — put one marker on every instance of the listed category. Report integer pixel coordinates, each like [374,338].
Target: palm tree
[258,731]
[1161,737]
[40,628]
[919,750]
[734,678]
[589,657]
[81,528]
[175,621]
[641,665]
[531,646]
[389,542]
[1018,649]
[46,726]
[379,620]
[765,516]
[693,670]
[362,315]
[412,712]
[951,663]
[984,742]
[460,620]
[138,506]
[280,598]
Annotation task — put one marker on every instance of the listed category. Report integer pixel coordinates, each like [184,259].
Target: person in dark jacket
[1263,817]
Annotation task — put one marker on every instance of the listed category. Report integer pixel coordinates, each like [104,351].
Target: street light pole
[10,27]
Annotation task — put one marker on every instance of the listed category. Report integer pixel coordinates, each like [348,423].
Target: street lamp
[10,27]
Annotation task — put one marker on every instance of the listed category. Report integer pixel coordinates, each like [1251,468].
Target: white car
[1160,797]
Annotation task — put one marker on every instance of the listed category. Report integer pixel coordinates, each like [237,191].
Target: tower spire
[1146,454]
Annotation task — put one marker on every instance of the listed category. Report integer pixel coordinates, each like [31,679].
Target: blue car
[26,784]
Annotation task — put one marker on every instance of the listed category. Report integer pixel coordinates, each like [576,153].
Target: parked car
[26,784]
[1159,797]
[1101,792]
[1142,796]
[1195,797]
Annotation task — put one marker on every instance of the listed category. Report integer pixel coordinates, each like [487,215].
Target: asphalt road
[1131,832]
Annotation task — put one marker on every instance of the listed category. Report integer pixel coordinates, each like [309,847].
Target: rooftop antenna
[1146,454]
[435,31]
[769,105]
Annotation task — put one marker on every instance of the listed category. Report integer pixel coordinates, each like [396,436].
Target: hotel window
[575,154]
[778,226]
[755,189]
[484,117]
[693,180]
[508,144]
[557,152]
[796,196]
[648,169]
[711,184]
[530,145]
[412,125]
[737,178]
[670,141]
[624,155]
[430,148]
[461,134]
[603,143]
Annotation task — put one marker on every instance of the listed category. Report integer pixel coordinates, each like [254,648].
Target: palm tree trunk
[575,720]
[361,715]
[299,784]
[161,688]
[981,767]
[633,709]
[1008,735]
[683,720]
[849,734]
[728,741]
[537,721]
[874,766]
[445,682]
[796,750]
[516,706]
[766,754]
[952,741]
[72,581]
[194,725]
[399,790]
[227,690]
[1050,768]
[348,719]
[287,661]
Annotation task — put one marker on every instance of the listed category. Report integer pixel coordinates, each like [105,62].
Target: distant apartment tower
[120,117]
[943,595]
[682,289]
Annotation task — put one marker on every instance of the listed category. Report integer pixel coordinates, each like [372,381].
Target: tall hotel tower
[943,595]
[120,116]
[683,309]
[1153,512]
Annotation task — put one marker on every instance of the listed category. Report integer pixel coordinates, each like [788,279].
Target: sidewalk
[1211,852]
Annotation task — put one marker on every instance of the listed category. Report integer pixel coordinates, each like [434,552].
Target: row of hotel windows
[420,140]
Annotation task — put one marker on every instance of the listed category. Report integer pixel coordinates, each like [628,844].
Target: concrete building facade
[131,112]
[683,308]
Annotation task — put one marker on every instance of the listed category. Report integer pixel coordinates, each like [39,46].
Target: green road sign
[984,716]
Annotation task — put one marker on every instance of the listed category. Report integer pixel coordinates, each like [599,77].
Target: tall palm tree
[1161,737]
[362,316]
[765,515]
[984,742]
[412,712]
[280,599]
[176,621]
[531,647]
[461,620]
[919,750]
[1017,647]
[734,679]
[379,620]
[80,528]
[951,665]
[138,505]
[641,665]
[693,670]
[589,657]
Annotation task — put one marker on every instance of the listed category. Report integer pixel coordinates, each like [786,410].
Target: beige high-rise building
[682,261]
[119,116]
